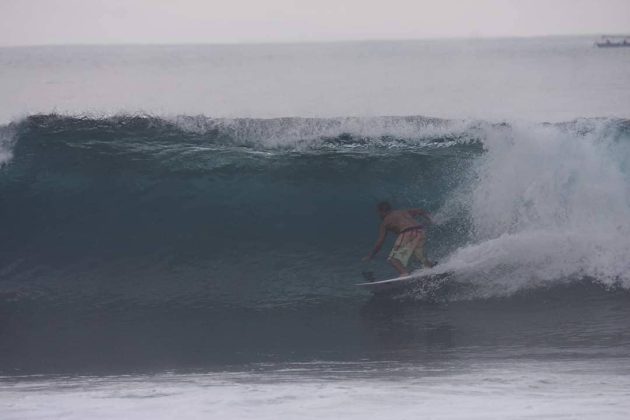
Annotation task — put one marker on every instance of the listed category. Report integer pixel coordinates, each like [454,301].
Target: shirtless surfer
[411,236]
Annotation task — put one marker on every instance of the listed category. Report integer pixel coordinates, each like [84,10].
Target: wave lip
[277,134]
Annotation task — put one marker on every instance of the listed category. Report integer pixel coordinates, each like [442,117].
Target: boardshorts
[410,242]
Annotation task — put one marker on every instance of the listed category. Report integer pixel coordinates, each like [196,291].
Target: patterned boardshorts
[407,244]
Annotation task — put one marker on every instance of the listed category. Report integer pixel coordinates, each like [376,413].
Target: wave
[255,212]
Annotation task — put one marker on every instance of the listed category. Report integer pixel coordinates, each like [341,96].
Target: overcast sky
[28,22]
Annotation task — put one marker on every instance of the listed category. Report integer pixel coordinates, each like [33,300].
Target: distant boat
[614,41]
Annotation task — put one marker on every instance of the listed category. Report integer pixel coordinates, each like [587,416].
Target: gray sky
[28,22]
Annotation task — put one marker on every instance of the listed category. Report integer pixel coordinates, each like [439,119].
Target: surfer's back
[398,220]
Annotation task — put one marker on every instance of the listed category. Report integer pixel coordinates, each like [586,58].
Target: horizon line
[313,42]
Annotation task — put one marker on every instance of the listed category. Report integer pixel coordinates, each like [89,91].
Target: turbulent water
[230,247]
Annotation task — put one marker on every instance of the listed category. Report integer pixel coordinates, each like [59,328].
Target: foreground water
[453,390]
[206,264]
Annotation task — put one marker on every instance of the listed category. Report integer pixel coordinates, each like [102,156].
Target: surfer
[411,236]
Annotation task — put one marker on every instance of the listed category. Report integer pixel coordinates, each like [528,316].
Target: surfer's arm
[420,212]
[382,234]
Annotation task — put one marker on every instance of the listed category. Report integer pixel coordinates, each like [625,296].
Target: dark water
[139,244]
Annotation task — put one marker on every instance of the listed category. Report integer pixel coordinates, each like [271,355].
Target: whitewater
[184,226]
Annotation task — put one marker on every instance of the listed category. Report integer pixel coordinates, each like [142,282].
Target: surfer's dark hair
[384,206]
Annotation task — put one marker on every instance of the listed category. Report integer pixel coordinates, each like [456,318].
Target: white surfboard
[403,282]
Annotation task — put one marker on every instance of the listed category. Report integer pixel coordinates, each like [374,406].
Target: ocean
[182,227]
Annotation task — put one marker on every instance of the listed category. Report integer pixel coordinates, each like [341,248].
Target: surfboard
[400,283]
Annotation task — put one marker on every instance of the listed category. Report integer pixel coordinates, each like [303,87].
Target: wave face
[136,213]
[243,212]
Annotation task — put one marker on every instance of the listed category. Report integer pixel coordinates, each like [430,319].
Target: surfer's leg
[402,270]
[418,252]
[401,252]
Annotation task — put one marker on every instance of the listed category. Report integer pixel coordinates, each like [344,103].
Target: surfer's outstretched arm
[382,234]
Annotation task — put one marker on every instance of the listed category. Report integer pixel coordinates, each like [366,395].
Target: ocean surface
[182,227]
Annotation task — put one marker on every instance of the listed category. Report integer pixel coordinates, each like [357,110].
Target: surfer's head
[383,208]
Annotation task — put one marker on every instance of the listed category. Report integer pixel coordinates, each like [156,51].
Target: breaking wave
[193,210]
